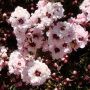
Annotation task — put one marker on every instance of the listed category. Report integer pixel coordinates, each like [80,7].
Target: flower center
[19,63]
[65,45]
[55,36]
[21,21]
[81,39]
[48,15]
[32,44]
[57,50]
[62,28]
[35,36]
[39,20]
[37,73]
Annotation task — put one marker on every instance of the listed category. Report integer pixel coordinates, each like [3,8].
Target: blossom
[85,7]
[88,13]
[85,4]
[16,62]
[42,3]
[80,19]
[81,36]
[20,18]
[36,73]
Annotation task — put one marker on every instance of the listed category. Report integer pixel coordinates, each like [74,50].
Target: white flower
[85,4]
[81,36]
[36,73]
[58,11]
[81,18]
[85,7]
[16,62]
[20,18]
[42,3]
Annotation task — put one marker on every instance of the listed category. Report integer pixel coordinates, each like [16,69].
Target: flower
[42,3]
[85,7]
[81,18]
[20,18]
[81,36]
[85,4]
[36,73]
[16,62]
[88,13]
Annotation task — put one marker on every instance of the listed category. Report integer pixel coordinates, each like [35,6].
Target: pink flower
[85,7]
[20,18]
[85,4]
[16,62]
[81,18]
[42,3]
[36,74]
[81,36]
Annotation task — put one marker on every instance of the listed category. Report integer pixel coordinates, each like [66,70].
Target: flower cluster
[33,72]
[44,31]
